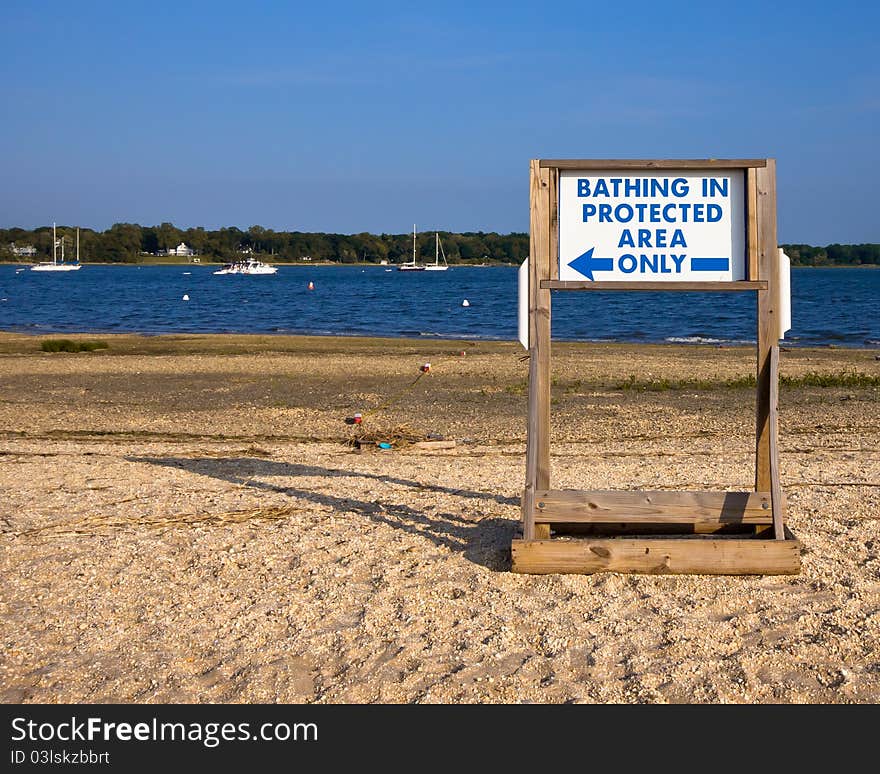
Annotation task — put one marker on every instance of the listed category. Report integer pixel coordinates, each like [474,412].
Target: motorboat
[247,266]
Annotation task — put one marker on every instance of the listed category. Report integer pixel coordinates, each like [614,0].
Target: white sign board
[652,225]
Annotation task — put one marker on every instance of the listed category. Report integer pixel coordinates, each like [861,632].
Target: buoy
[465,303]
[311,285]
[358,419]
[425,368]
[185,297]
[384,445]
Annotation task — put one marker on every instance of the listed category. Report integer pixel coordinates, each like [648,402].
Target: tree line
[833,255]
[132,243]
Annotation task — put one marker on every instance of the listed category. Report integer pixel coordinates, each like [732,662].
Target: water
[829,306]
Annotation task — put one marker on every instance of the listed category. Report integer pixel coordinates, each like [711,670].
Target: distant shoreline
[306,265]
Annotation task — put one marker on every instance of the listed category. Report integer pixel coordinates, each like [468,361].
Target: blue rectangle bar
[710,264]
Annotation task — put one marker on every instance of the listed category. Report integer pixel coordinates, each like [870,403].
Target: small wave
[456,335]
[705,340]
[594,340]
[416,334]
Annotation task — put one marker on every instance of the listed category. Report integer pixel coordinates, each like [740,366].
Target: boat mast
[414,244]
[54,245]
[77,244]
[436,248]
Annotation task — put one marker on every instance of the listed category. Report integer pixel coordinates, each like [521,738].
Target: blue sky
[352,117]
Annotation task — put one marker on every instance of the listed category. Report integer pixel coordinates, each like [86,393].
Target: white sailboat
[55,265]
[412,265]
[438,252]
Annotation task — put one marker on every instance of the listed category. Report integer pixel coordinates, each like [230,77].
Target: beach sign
[669,226]
[652,225]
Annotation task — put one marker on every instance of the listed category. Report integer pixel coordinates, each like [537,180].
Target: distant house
[181,250]
[25,251]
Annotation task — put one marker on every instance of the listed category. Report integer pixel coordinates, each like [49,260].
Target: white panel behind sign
[657,225]
[523,303]
[784,294]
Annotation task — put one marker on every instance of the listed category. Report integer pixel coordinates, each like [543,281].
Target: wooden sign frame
[726,533]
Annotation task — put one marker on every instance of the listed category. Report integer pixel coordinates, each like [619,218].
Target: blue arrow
[585,264]
[710,264]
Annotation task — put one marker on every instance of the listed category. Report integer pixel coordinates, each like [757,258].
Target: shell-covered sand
[184,520]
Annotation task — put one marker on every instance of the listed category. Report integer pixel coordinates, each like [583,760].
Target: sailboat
[55,265]
[412,265]
[438,252]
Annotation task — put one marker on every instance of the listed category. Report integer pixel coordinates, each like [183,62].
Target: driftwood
[398,438]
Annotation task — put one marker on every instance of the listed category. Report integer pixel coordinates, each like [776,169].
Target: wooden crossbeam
[615,164]
[584,507]
[710,287]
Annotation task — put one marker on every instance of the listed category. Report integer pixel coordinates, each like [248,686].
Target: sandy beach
[186,519]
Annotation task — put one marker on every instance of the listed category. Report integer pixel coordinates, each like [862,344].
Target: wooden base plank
[658,556]
[612,505]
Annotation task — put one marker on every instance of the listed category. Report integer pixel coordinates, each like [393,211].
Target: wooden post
[538,441]
[768,326]
[752,223]
[775,485]
[554,223]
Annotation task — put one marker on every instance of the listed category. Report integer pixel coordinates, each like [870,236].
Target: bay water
[830,306]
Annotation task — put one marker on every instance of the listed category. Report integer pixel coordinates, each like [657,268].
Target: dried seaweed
[398,437]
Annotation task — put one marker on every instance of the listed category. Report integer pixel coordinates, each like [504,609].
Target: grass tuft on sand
[67,345]
[850,378]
